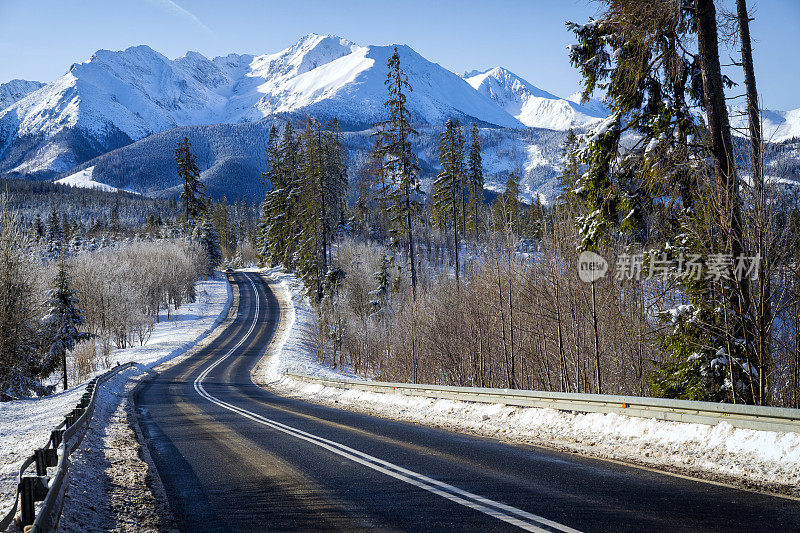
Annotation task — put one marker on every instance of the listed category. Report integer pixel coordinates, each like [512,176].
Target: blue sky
[40,39]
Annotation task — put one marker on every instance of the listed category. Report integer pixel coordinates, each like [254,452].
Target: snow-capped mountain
[141,98]
[115,98]
[529,104]
[594,105]
[15,90]
[777,126]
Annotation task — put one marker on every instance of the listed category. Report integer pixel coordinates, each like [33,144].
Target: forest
[443,288]
[417,273]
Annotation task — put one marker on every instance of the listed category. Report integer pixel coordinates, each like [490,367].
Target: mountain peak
[529,104]
[15,90]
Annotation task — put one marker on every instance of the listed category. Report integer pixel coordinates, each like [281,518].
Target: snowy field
[26,424]
[83,180]
[760,459]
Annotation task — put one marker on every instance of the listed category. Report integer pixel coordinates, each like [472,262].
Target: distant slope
[15,90]
[83,180]
[116,98]
[777,126]
[529,104]
[232,157]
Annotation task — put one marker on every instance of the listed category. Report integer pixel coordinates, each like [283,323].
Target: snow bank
[26,424]
[291,351]
[763,459]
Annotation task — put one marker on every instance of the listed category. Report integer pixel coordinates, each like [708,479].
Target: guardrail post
[45,457]
[32,490]
[56,436]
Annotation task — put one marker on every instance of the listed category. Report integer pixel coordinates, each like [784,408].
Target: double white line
[506,513]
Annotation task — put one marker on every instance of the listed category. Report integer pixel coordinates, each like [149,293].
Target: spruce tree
[291,193]
[39,227]
[475,180]
[210,241]
[449,185]
[273,208]
[63,322]
[379,297]
[398,158]
[189,173]
[641,54]
[54,238]
[323,186]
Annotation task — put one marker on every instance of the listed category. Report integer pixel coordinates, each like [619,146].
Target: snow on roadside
[761,459]
[292,349]
[26,424]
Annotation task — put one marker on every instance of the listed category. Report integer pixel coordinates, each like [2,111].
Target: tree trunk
[596,343]
[764,334]
[722,154]
[64,369]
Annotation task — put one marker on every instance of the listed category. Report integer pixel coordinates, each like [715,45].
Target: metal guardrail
[64,439]
[741,416]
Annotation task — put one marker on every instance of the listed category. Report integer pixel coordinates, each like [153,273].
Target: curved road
[235,457]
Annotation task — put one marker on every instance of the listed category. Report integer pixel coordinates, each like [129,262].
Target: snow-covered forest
[424,246]
[445,288]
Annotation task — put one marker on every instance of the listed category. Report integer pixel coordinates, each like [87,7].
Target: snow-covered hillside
[15,90]
[83,179]
[529,104]
[118,97]
[777,126]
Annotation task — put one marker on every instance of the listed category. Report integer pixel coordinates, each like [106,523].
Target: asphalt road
[236,457]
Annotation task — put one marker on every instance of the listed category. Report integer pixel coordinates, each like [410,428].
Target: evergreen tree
[380,295]
[63,322]
[641,54]
[506,207]
[189,173]
[323,185]
[210,241]
[39,227]
[449,185]
[54,238]
[273,208]
[475,180]
[375,190]
[290,155]
[398,158]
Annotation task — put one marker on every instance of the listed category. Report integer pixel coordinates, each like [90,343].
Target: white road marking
[512,515]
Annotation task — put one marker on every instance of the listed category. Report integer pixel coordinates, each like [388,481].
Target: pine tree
[210,241]
[189,173]
[640,53]
[449,185]
[323,185]
[54,238]
[273,208]
[376,189]
[475,180]
[39,227]
[398,158]
[63,321]
[310,256]
[380,295]
[291,181]
[507,207]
